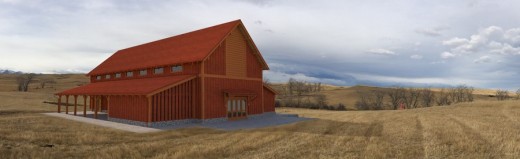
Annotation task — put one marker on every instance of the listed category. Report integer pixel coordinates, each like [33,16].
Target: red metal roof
[189,47]
[143,86]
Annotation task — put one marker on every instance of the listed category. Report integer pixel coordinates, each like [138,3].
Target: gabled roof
[143,86]
[184,48]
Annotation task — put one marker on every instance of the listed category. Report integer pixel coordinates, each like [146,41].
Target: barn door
[237,108]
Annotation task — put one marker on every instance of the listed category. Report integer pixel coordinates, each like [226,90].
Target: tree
[45,81]
[378,100]
[267,81]
[502,94]
[363,102]
[427,97]
[396,94]
[411,97]
[23,81]
[444,98]
[321,100]
[518,94]
[341,106]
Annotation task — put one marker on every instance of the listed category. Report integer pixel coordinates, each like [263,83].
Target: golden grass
[482,129]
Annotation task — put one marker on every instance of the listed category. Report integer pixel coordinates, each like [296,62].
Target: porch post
[84,105]
[59,103]
[75,104]
[67,104]
[96,107]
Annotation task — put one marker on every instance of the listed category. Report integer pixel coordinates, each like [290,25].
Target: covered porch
[128,100]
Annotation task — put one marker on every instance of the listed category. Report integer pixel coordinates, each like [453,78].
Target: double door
[237,108]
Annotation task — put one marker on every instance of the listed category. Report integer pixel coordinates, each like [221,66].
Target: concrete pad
[105,123]
[268,121]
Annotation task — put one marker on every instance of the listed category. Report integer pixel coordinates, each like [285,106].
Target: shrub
[341,106]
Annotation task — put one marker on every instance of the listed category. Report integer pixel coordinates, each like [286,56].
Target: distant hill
[2,71]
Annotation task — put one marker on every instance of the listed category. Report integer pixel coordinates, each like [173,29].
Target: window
[129,74]
[98,77]
[159,70]
[107,76]
[177,68]
[118,75]
[143,73]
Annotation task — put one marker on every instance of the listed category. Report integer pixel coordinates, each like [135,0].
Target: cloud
[492,39]
[282,77]
[503,48]
[455,41]
[381,52]
[417,57]
[447,55]
[431,32]
[483,59]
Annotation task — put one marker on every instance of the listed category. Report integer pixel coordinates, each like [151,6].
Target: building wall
[236,54]
[176,103]
[216,62]
[128,107]
[254,68]
[269,98]
[215,105]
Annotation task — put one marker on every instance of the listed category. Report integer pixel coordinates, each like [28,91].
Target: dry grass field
[482,129]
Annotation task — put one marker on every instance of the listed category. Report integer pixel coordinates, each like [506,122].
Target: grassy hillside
[470,130]
[481,129]
[348,95]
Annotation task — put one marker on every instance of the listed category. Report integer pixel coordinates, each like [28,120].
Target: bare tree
[396,95]
[267,81]
[444,98]
[518,94]
[427,97]
[321,100]
[378,100]
[411,97]
[46,80]
[363,102]
[502,94]
[23,81]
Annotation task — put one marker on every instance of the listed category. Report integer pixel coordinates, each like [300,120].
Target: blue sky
[372,42]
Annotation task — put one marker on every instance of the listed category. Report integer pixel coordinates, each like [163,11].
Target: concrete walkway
[103,122]
[272,120]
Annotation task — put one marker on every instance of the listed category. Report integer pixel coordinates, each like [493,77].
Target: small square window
[98,77]
[107,76]
[159,70]
[129,74]
[143,72]
[118,75]
[177,68]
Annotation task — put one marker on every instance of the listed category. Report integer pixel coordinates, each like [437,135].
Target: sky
[344,42]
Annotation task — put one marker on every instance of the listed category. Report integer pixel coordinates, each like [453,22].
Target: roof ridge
[234,21]
[187,47]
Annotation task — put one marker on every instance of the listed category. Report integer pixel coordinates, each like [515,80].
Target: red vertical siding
[269,98]
[175,103]
[216,62]
[128,107]
[254,68]
[214,87]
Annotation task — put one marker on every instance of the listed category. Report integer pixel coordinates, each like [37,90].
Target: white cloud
[281,77]
[492,39]
[483,59]
[381,52]
[447,55]
[503,48]
[416,57]
[455,41]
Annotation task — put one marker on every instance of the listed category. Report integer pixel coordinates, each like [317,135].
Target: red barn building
[211,74]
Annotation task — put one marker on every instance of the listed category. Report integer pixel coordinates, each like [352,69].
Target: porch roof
[143,86]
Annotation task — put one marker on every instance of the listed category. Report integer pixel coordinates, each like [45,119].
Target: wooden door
[236,108]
